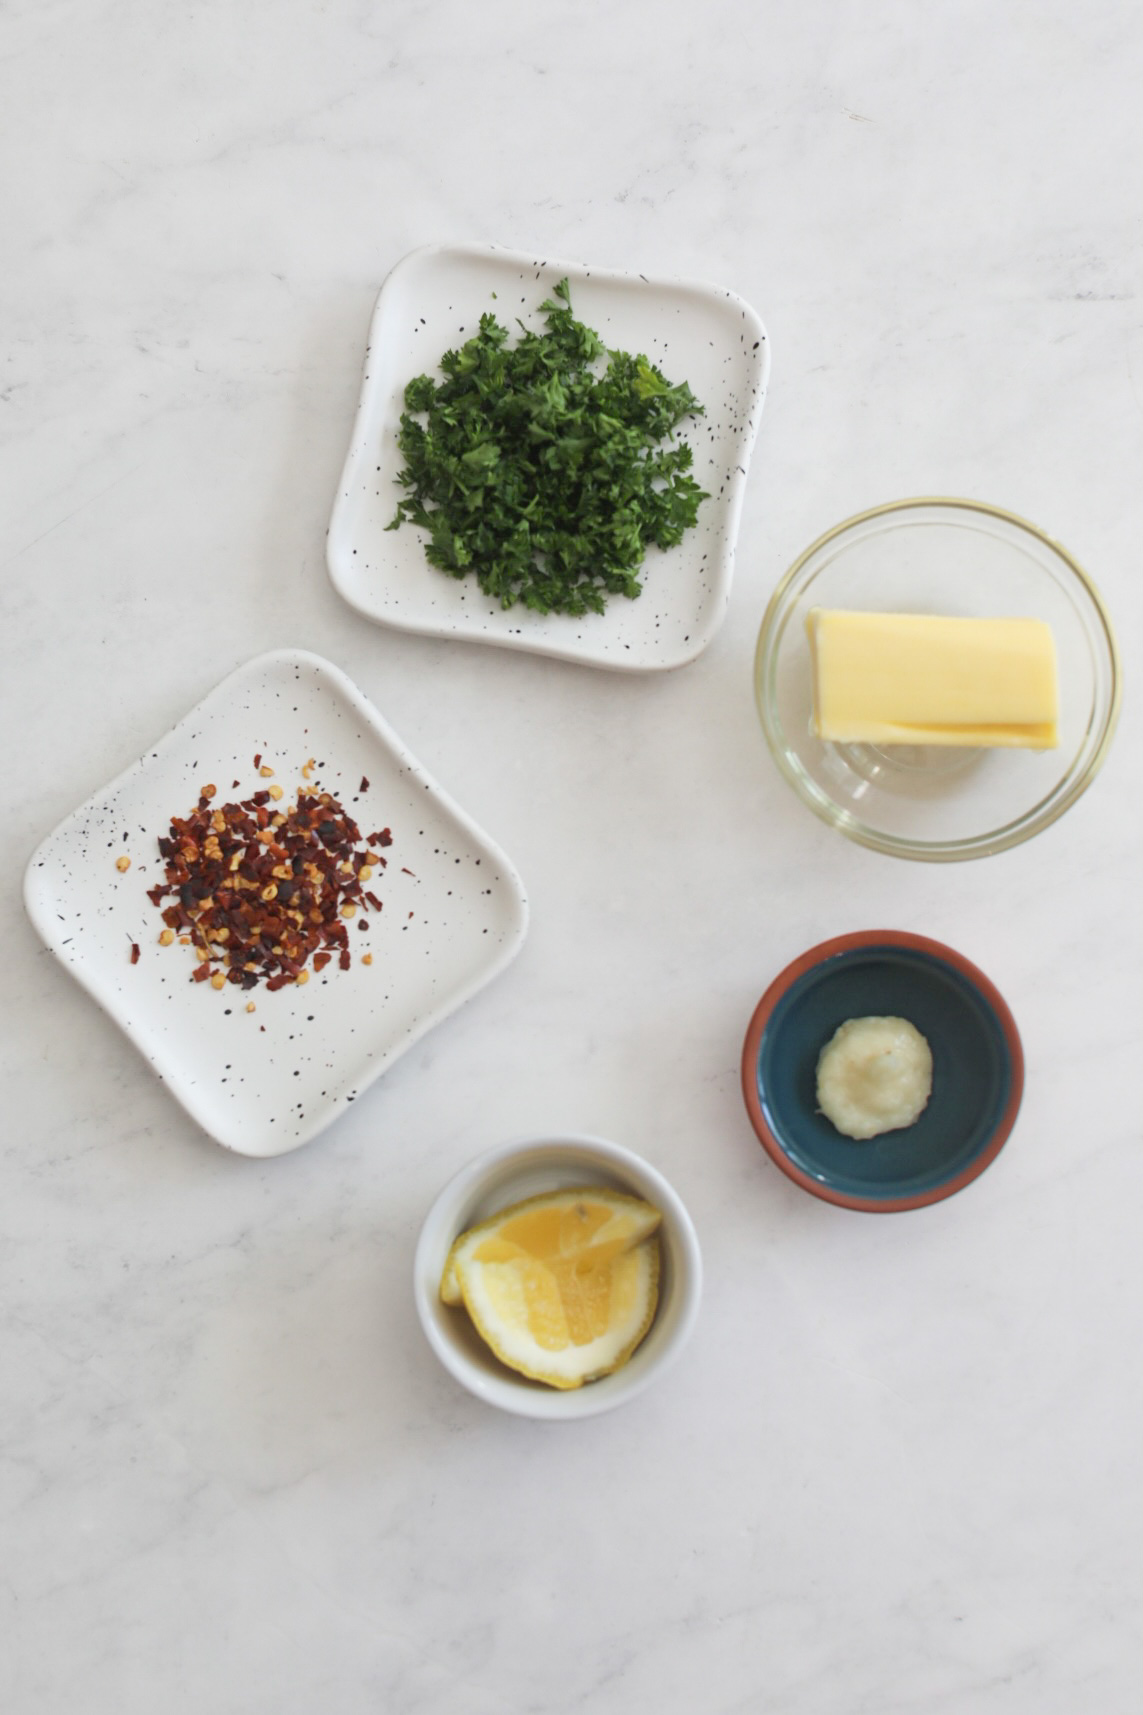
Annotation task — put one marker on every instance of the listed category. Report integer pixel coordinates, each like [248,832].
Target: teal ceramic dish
[978,1070]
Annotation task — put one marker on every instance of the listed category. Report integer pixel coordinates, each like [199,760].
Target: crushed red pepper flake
[134,952]
[259,895]
[364,787]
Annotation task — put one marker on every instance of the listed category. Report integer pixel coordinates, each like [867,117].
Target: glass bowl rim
[977,845]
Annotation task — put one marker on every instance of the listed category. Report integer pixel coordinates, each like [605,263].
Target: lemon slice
[450,1285]
[563,1286]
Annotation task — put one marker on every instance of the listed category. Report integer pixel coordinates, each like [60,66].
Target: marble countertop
[898,1468]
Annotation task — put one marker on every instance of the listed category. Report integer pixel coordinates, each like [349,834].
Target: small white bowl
[507,1175]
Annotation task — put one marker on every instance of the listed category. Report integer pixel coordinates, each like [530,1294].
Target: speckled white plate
[704,335]
[454,911]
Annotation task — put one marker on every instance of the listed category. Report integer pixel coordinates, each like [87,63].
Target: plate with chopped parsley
[549,457]
[275,902]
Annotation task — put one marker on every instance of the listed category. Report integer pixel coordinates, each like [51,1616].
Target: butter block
[904,678]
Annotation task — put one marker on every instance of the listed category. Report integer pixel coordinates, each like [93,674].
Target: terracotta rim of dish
[845,944]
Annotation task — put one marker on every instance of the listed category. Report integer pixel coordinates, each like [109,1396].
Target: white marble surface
[898,1468]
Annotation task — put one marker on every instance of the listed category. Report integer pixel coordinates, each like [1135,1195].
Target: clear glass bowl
[957,557]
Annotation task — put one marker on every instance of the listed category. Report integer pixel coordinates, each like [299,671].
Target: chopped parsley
[543,476]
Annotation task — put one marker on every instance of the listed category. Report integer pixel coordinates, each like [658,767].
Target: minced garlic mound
[874,1075]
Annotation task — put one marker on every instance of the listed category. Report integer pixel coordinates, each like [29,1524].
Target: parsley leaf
[545,477]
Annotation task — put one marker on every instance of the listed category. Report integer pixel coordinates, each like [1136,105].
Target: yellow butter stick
[905,678]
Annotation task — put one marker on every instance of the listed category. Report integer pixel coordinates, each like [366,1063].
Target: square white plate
[431,302]
[454,911]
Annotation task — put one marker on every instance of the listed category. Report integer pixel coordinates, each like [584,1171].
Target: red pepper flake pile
[260,891]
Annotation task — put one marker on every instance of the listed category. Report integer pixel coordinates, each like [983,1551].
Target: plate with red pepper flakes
[275,902]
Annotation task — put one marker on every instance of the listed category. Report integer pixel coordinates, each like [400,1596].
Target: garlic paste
[874,1075]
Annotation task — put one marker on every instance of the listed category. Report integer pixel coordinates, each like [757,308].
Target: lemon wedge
[563,1286]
